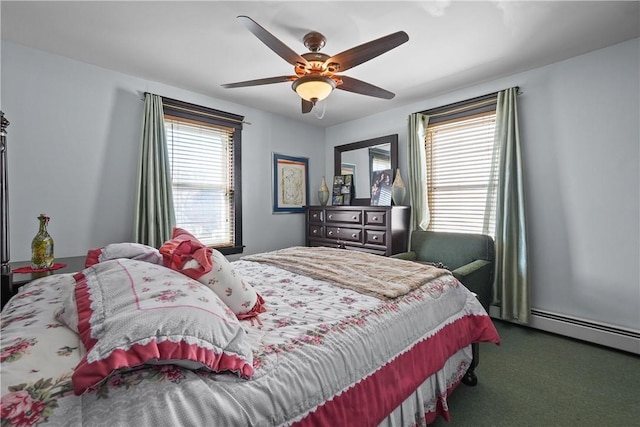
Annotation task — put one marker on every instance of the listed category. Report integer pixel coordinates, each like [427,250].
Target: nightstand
[74,264]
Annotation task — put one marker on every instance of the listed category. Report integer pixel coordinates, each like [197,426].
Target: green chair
[470,257]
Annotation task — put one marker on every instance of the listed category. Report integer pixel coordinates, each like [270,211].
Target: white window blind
[461,174]
[201,160]
[379,163]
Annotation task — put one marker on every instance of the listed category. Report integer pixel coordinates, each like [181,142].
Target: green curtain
[154,215]
[512,282]
[417,173]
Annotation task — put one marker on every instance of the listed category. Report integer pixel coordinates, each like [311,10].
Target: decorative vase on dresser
[398,189]
[323,193]
[381,230]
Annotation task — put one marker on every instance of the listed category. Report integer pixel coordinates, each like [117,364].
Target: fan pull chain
[315,109]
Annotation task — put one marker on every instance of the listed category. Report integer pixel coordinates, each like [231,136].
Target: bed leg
[470,377]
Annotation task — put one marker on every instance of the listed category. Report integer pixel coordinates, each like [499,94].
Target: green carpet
[536,378]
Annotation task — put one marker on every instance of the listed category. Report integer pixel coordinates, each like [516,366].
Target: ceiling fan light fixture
[313,88]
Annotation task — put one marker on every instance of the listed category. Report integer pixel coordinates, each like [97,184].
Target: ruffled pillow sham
[182,248]
[131,313]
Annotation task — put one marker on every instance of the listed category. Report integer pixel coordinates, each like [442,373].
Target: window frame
[197,113]
[462,110]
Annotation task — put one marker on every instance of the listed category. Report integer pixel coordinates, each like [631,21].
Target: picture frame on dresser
[290,183]
[381,188]
[342,190]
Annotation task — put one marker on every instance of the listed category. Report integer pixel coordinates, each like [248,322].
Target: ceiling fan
[315,73]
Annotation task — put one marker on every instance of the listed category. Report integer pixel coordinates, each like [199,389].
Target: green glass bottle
[42,246]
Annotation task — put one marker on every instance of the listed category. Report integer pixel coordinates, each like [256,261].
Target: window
[204,157]
[461,167]
[379,159]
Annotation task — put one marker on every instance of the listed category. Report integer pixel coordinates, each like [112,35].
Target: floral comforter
[322,355]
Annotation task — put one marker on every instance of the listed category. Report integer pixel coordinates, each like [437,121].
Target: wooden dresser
[382,230]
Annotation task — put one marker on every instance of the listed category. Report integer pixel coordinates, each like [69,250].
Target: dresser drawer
[375,237]
[343,233]
[316,215]
[375,218]
[350,217]
[325,244]
[369,250]
[316,231]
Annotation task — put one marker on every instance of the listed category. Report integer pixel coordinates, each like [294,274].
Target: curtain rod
[465,107]
[202,113]
[457,107]
[214,116]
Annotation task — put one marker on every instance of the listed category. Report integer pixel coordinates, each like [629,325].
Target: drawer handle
[330,216]
[315,216]
[315,231]
[354,217]
[330,233]
[354,235]
[375,237]
[375,218]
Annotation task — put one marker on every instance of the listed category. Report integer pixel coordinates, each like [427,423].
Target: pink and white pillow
[111,251]
[131,313]
[185,253]
[182,248]
[240,296]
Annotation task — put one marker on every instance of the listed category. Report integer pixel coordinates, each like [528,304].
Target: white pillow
[123,250]
[240,296]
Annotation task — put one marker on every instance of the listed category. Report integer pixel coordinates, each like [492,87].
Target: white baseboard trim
[582,329]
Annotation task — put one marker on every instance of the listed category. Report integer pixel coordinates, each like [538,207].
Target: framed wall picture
[290,183]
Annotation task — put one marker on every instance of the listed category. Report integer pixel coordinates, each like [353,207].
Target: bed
[319,353]
[182,337]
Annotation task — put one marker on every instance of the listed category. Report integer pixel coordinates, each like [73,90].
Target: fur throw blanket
[369,274]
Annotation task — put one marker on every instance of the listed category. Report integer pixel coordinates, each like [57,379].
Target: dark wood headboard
[4,206]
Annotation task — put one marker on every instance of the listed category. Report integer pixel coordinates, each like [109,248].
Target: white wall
[580,129]
[73,145]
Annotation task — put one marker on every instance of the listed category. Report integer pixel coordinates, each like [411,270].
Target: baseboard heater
[586,330]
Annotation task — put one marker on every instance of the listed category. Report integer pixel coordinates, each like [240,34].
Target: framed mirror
[363,159]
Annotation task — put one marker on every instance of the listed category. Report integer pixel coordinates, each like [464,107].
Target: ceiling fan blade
[267,81]
[358,86]
[306,106]
[364,52]
[272,42]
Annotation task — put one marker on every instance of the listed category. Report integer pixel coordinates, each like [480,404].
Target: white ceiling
[200,45]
